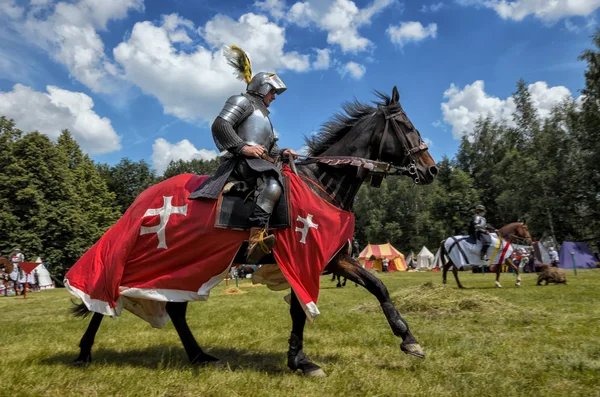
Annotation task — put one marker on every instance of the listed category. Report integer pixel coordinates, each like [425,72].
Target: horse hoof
[413,349]
[80,363]
[315,373]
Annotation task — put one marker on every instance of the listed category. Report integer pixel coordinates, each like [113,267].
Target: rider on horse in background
[480,230]
[243,129]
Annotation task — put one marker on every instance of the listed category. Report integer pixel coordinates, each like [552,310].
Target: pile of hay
[233,291]
[437,300]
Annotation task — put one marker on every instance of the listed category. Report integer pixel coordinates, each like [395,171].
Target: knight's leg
[87,341]
[487,241]
[176,311]
[343,264]
[261,244]
[296,358]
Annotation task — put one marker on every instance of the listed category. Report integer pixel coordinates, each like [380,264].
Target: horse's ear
[395,95]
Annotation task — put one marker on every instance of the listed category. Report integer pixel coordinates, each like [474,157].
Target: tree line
[56,202]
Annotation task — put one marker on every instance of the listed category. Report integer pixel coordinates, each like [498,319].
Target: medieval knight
[243,129]
[480,230]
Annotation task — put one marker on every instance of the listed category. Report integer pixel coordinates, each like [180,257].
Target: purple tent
[583,256]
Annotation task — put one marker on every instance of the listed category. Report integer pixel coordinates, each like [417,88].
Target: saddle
[236,204]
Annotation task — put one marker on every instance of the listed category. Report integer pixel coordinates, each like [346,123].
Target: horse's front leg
[87,341]
[296,358]
[343,264]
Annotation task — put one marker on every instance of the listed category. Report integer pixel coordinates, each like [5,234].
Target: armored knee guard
[269,193]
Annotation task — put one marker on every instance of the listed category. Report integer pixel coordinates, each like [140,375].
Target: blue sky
[144,79]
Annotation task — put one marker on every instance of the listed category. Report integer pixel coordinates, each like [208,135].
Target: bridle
[377,168]
[513,236]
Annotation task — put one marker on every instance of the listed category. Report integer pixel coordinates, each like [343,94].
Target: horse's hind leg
[498,271]
[87,341]
[348,267]
[296,358]
[196,355]
[510,263]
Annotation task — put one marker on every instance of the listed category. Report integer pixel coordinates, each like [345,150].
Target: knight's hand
[292,152]
[253,151]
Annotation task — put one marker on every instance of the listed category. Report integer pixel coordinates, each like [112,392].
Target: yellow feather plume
[238,59]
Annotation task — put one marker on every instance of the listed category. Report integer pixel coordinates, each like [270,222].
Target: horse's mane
[509,228]
[340,124]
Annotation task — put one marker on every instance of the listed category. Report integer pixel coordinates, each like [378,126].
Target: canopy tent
[541,253]
[437,260]
[372,255]
[411,262]
[579,252]
[425,259]
[43,275]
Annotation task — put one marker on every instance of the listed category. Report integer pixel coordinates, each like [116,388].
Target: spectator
[386,263]
[553,257]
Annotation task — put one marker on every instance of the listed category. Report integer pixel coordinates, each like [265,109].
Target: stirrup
[264,245]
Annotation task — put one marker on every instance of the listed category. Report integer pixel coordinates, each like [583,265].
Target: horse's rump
[167,248]
[462,252]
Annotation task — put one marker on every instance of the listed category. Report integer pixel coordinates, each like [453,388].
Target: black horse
[378,136]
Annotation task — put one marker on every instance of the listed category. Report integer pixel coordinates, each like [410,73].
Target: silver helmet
[262,83]
[480,208]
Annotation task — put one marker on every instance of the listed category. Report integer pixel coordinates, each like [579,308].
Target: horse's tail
[443,253]
[79,310]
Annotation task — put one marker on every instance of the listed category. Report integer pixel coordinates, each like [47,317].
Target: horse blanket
[463,252]
[165,248]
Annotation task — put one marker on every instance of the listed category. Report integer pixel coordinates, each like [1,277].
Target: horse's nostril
[433,170]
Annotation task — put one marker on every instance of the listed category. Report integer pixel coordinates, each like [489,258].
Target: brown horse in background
[8,268]
[513,233]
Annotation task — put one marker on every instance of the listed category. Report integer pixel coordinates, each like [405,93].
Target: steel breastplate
[256,129]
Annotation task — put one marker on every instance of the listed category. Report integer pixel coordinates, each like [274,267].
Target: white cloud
[589,25]
[434,7]
[356,70]
[67,31]
[464,107]
[548,10]
[411,31]
[52,112]
[274,7]
[195,85]
[340,18]
[10,9]
[428,142]
[163,152]
[323,59]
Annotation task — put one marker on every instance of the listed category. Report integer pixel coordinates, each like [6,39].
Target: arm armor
[236,109]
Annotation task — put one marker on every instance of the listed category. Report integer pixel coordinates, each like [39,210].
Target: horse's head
[522,231]
[397,141]
[6,264]
[516,233]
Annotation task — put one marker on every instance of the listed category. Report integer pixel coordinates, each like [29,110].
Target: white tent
[44,279]
[437,260]
[424,259]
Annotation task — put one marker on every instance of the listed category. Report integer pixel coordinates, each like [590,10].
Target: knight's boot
[259,244]
[484,250]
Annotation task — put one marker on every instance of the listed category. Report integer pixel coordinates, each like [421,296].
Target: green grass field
[483,341]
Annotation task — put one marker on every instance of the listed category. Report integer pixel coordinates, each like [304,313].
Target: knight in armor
[479,230]
[244,131]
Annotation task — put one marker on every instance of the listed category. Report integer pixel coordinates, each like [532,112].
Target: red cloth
[28,266]
[181,256]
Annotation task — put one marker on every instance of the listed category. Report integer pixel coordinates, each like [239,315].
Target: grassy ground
[532,341]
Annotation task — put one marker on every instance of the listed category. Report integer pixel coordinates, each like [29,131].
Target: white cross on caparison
[165,213]
[308,223]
